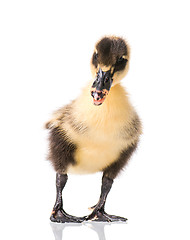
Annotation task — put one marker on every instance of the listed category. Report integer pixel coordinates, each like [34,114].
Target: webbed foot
[61,216]
[101,216]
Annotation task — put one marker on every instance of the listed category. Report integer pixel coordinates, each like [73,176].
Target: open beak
[101,86]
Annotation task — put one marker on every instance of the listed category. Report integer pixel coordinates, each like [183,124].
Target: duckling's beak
[101,86]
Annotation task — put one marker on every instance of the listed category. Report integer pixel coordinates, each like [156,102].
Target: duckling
[98,131]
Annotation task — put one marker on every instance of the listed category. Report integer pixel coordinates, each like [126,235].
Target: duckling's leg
[98,213]
[58,214]
[110,173]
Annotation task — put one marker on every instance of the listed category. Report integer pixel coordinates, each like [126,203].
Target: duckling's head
[109,65]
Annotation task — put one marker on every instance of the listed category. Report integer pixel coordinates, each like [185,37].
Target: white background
[45,50]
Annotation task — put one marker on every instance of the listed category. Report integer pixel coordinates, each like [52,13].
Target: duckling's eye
[95,59]
[96,56]
[120,64]
[120,60]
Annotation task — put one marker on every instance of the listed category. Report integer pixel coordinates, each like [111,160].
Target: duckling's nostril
[106,79]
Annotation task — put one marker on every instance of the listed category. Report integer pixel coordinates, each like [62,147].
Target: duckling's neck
[115,108]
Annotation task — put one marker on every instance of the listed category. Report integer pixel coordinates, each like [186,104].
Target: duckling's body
[85,138]
[99,134]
